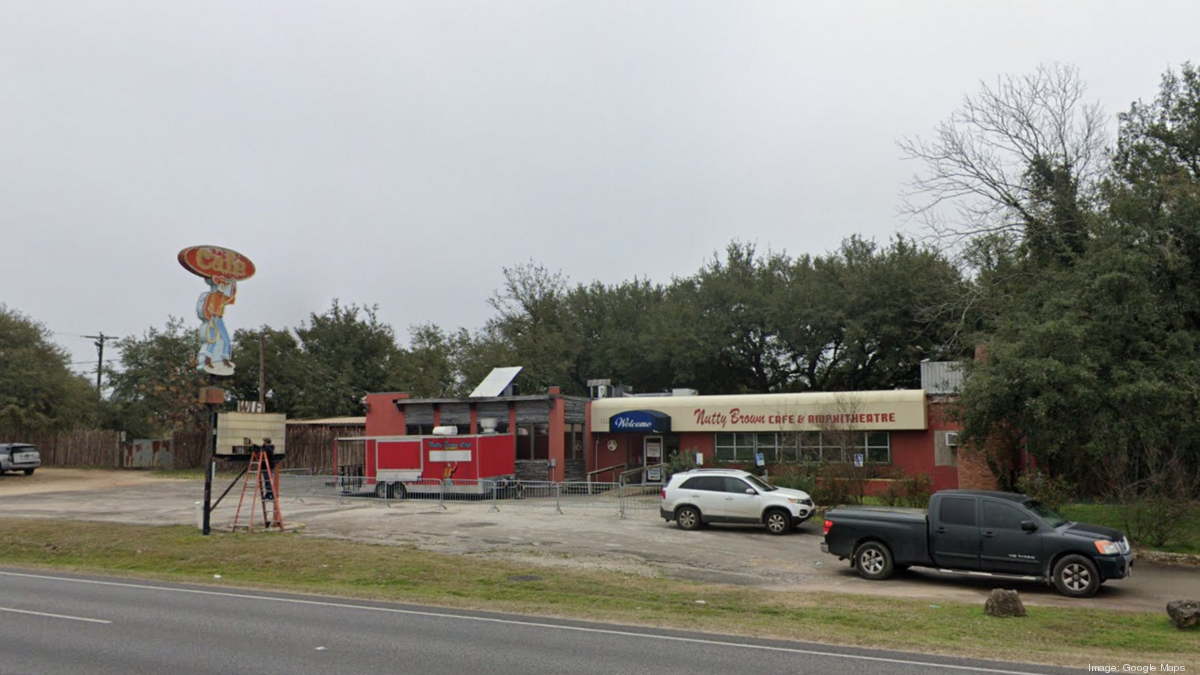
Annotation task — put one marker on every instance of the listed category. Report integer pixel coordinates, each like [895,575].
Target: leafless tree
[1015,155]
[838,422]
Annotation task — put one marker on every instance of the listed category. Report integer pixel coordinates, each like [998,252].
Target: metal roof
[942,377]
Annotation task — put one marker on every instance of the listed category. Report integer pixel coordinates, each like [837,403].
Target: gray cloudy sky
[402,153]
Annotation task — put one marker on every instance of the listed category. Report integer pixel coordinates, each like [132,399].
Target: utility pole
[262,372]
[100,340]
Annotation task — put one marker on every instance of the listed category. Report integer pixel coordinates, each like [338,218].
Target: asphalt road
[53,624]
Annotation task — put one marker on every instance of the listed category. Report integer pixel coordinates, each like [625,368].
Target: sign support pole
[209,467]
[211,396]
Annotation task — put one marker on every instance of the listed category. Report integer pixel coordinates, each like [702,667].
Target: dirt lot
[531,532]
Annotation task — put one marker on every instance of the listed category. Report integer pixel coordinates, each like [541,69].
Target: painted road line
[52,616]
[531,624]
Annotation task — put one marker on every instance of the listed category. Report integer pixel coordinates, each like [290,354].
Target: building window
[878,447]
[735,447]
[807,446]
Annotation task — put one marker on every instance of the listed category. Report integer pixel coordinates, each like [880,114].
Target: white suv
[693,498]
[19,457]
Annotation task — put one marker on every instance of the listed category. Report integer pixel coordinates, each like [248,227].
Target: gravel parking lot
[531,532]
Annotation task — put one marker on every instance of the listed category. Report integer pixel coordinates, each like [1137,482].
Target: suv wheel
[1075,576]
[874,561]
[687,518]
[778,521]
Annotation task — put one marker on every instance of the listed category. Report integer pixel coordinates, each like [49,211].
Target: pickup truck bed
[903,530]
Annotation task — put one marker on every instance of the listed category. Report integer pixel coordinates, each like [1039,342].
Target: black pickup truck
[980,532]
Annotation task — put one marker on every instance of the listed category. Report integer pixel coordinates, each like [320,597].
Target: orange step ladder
[265,489]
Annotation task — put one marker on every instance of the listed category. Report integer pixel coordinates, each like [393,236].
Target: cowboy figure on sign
[221,269]
[216,346]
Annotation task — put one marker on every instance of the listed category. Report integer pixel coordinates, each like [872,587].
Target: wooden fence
[85,447]
[308,446]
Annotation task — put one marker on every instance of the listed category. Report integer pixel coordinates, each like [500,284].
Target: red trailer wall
[496,455]
[468,457]
[399,454]
[450,457]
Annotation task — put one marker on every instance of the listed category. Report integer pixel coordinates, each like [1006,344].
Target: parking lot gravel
[532,532]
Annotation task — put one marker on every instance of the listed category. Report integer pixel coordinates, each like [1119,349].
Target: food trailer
[396,466]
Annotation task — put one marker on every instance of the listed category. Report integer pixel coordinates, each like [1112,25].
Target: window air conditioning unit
[952,439]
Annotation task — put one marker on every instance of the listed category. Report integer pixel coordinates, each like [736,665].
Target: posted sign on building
[866,411]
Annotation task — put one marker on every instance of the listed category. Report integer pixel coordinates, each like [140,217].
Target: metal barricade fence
[295,483]
[641,496]
[499,494]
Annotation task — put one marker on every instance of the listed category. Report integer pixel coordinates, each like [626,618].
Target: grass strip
[296,563]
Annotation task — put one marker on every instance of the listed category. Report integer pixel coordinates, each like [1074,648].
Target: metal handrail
[613,467]
[640,469]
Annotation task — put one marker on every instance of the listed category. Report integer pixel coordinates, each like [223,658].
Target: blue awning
[640,422]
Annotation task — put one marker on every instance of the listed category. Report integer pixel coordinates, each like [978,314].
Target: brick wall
[977,467]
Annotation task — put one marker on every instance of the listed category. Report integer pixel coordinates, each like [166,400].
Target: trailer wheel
[381,490]
[397,491]
[874,561]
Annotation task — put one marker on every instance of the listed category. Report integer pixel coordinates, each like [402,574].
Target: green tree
[345,353]
[1093,367]
[430,366]
[612,326]
[532,324]
[38,391]
[287,380]
[156,388]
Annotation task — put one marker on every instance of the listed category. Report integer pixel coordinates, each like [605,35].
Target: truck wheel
[28,472]
[1075,576]
[687,518]
[778,521]
[874,561]
[397,491]
[381,490]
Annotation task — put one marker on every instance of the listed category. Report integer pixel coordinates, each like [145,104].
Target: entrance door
[652,454]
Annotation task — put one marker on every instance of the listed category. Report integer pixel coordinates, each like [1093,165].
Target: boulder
[1004,603]
[1184,613]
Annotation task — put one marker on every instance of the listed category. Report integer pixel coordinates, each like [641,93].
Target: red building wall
[384,417]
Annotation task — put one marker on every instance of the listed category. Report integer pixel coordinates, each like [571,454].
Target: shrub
[1155,520]
[680,461]
[908,490]
[794,476]
[1053,492]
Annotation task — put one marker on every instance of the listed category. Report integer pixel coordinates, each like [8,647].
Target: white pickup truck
[19,457]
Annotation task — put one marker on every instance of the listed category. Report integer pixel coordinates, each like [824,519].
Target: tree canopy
[1092,361]
[38,390]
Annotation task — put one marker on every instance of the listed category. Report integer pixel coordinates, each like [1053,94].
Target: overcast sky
[403,153]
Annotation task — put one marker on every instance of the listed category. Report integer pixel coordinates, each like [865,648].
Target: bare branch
[977,177]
